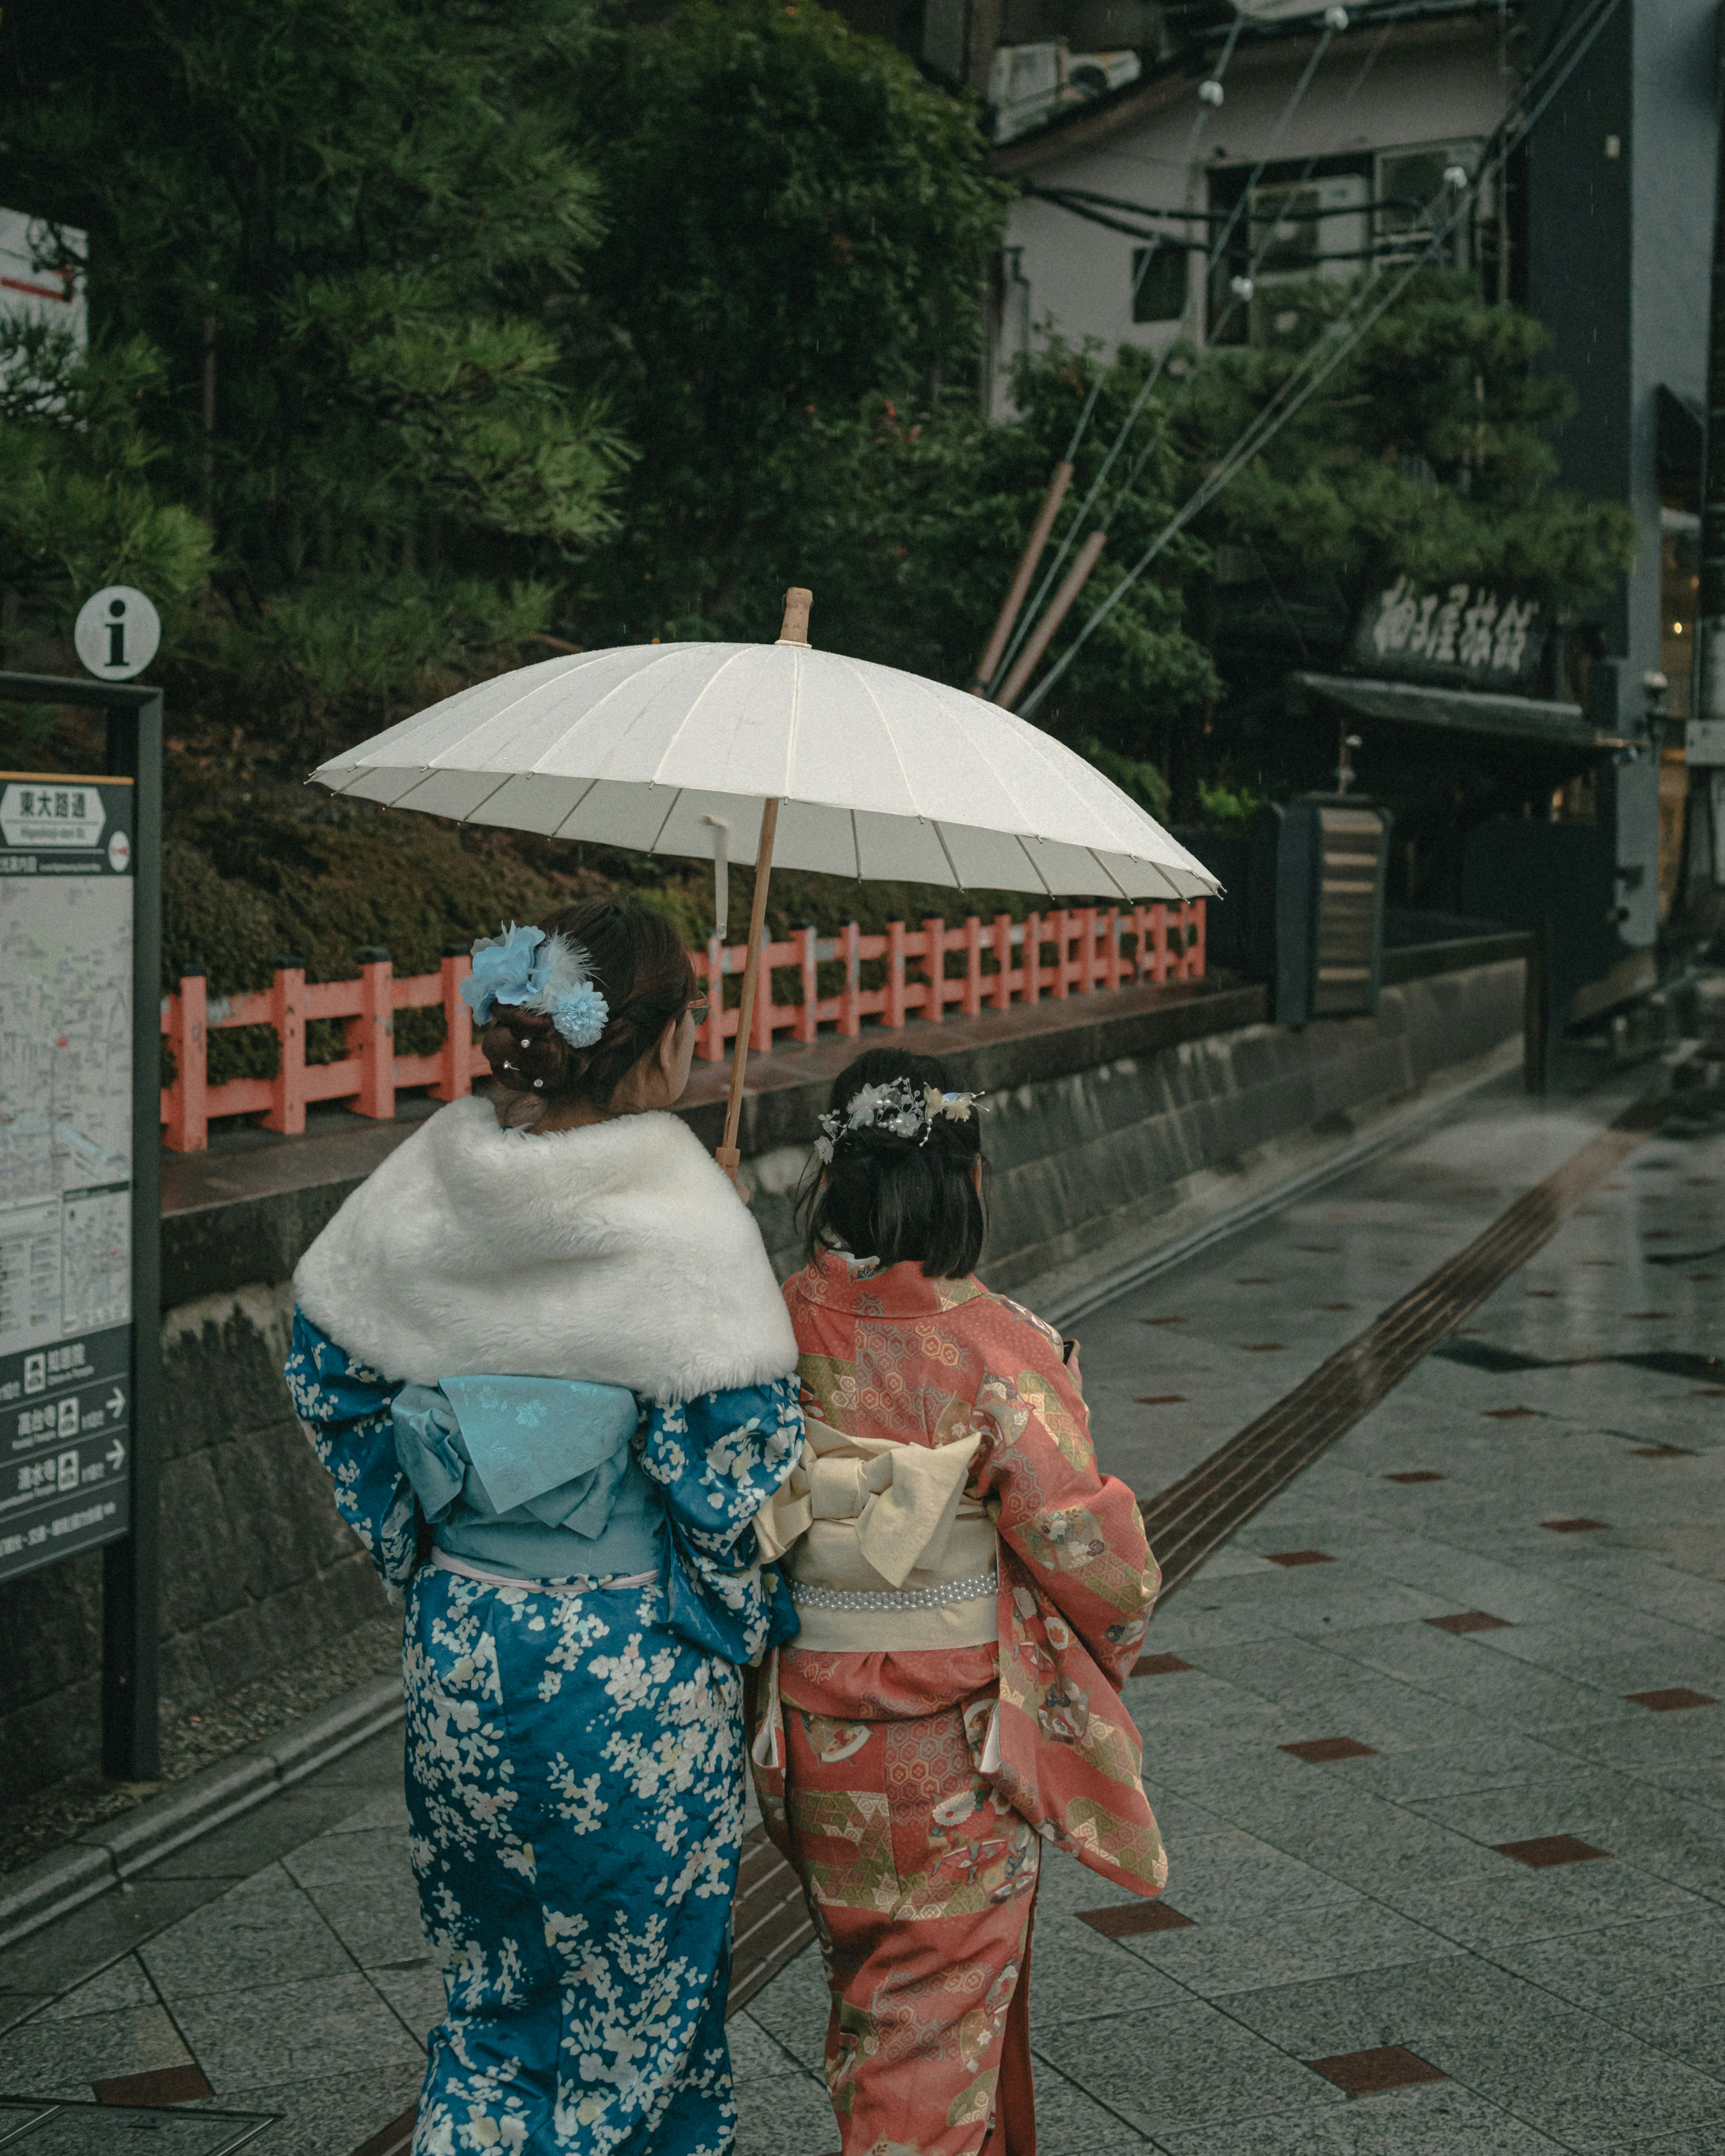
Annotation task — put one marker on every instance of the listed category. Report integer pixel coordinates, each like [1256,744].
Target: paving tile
[1490,1912]
[1077,1976]
[68,1953]
[156,2090]
[794,2007]
[1573,2075]
[784,2113]
[1070,2122]
[1182,2065]
[414,1992]
[332,2114]
[65,2057]
[115,1991]
[755,2055]
[1546,1849]
[1287,1946]
[1439,2119]
[269,2034]
[1231,1876]
[1374,2072]
[1123,1919]
[264,1930]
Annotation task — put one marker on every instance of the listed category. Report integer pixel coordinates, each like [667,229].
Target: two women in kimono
[972,1595]
[545,1359]
[543,1355]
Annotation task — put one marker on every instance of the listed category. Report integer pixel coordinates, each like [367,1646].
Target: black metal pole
[131,1568]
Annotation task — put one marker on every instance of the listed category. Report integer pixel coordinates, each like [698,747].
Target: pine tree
[345,228]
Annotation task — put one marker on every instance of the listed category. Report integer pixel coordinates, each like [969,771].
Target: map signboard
[67,889]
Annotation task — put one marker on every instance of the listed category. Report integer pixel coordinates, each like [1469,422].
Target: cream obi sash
[888,1551]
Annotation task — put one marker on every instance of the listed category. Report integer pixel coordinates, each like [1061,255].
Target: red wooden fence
[1073,951]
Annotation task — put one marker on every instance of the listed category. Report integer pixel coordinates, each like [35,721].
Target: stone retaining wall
[1099,1125]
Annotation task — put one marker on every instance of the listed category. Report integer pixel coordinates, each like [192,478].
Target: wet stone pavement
[1435,1741]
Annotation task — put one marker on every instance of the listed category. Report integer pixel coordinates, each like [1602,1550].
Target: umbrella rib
[402,800]
[616,690]
[574,808]
[1048,889]
[855,844]
[1108,872]
[652,846]
[880,716]
[425,772]
[515,704]
[959,883]
[706,690]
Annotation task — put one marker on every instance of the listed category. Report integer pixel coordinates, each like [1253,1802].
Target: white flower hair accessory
[906,1110]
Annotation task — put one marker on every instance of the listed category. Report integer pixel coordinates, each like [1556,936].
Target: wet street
[1434,1739]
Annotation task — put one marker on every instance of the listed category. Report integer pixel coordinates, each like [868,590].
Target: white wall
[1421,83]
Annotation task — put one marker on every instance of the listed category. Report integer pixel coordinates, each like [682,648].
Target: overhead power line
[1343,335]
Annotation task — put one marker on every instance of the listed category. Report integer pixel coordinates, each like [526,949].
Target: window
[1158,283]
[1414,199]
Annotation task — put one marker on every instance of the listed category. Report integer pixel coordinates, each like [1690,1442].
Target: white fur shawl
[619,1252]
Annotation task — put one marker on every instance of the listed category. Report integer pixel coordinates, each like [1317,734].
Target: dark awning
[1522,719]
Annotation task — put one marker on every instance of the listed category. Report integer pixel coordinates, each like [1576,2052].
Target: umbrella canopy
[879,773]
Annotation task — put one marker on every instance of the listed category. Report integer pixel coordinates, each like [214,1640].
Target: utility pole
[1704,817]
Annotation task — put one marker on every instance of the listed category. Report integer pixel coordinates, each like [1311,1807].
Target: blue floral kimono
[574,1774]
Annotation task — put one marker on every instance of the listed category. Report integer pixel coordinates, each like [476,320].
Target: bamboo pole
[1021,584]
[728,1157]
[794,630]
[1077,577]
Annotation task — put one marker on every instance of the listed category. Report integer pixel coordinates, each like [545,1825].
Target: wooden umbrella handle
[728,1156]
[794,628]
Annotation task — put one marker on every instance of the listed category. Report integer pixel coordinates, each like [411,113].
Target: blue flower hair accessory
[569,998]
[529,970]
[506,969]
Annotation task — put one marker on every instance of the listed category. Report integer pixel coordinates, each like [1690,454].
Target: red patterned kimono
[914,1826]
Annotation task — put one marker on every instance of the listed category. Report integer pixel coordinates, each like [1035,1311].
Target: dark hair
[896,1199]
[643,972]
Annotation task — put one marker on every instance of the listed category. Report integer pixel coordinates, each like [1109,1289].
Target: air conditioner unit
[1303,229]
[1414,196]
[1027,84]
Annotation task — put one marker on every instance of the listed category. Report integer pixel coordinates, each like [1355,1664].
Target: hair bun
[527,1055]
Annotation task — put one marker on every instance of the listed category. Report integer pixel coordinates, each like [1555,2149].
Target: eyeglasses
[698,1012]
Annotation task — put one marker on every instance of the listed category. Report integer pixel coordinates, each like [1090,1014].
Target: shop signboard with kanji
[67,912]
[1461,635]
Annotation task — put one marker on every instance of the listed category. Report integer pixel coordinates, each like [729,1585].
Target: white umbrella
[851,768]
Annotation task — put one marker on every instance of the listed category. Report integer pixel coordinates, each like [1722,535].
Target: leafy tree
[80,506]
[800,228]
[1428,450]
[344,228]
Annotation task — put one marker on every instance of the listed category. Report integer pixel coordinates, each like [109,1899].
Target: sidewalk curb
[55,1885]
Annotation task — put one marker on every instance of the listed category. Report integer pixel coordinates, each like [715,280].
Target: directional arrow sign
[116,1402]
[115,1455]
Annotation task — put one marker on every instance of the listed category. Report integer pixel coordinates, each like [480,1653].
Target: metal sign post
[81,1185]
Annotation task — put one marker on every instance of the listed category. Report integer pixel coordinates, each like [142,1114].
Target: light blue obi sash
[531,1477]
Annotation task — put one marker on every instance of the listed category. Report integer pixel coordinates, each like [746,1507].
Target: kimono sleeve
[344,1408]
[1076,1531]
[717,1459]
